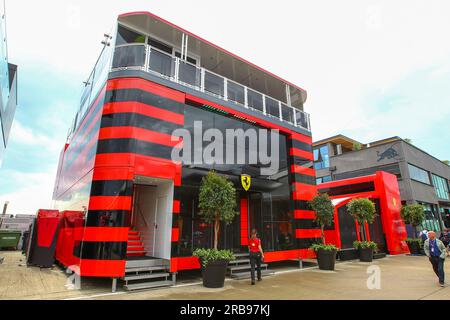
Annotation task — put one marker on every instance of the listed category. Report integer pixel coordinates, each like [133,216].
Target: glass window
[125,36]
[323,179]
[214,84]
[302,119]
[321,158]
[441,187]
[161,46]
[431,222]
[236,92]
[418,174]
[255,100]
[272,107]
[189,59]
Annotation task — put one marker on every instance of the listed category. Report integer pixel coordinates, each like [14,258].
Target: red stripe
[304,214]
[175,234]
[110,203]
[302,154]
[138,83]
[140,134]
[303,191]
[176,206]
[303,170]
[244,222]
[301,138]
[184,263]
[144,109]
[288,255]
[107,173]
[308,233]
[102,268]
[104,234]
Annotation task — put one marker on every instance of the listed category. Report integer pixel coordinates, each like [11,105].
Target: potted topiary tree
[413,214]
[363,210]
[217,203]
[324,209]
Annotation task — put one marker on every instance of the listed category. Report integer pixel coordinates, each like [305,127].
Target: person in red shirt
[256,255]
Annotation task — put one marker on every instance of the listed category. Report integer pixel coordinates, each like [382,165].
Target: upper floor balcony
[145,42]
[148,43]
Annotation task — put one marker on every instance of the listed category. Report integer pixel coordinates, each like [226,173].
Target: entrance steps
[240,268]
[135,246]
[146,273]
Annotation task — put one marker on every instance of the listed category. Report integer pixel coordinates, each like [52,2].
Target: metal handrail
[201,70]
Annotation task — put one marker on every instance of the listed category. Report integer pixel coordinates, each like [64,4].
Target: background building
[422,178]
[8,87]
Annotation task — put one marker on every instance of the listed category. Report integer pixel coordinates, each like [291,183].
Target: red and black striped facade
[127,133]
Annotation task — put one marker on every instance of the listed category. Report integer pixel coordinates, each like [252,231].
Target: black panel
[301,205]
[349,189]
[347,228]
[112,188]
[301,145]
[391,168]
[302,162]
[138,120]
[108,218]
[306,224]
[134,146]
[307,242]
[103,250]
[303,178]
[144,97]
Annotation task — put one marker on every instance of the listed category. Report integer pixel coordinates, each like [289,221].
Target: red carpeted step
[135,243]
[134,238]
[131,249]
[133,233]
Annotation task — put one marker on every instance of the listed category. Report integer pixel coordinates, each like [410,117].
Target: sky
[372,69]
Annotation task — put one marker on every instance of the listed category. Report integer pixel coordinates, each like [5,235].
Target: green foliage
[207,255]
[362,210]
[408,140]
[417,240]
[447,162]
[327,247]
[324,209]
[413,214]
[365,245]
[217,201]
[356,146]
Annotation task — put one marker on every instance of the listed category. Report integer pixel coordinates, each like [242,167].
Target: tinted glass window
[160,46]
[418,174]
[321,158]
[125,36]
[272,107]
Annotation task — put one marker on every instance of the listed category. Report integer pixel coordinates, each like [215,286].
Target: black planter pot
[414,247]
[366,254]
[326,259]
[214,274]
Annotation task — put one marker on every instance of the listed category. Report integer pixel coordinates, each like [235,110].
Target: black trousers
[438,267]
[255,259]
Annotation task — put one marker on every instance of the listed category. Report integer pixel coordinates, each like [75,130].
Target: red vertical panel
[244,222]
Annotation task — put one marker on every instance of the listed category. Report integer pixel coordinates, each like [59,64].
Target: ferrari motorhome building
[158,101]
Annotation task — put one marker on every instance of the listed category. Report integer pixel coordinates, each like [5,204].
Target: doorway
[152,215]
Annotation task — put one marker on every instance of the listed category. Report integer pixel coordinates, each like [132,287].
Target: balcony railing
[146,58]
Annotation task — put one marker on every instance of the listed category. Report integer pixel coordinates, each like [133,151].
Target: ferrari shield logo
[246,181]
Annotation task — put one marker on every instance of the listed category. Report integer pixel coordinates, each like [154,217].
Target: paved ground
[401,277]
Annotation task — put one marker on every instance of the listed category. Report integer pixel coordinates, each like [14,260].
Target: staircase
[143,272]
[240,268]
[135,246]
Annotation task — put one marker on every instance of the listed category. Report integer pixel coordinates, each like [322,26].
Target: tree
[413,214]
[356,146]
[217,202]
[447,162]
[362,210]
[324,209]
[408,140]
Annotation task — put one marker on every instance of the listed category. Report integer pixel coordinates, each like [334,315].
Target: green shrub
[324,209]
[362,210]
[365,245]
[327,247]
[207,255]
[415,240]
[413,214]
